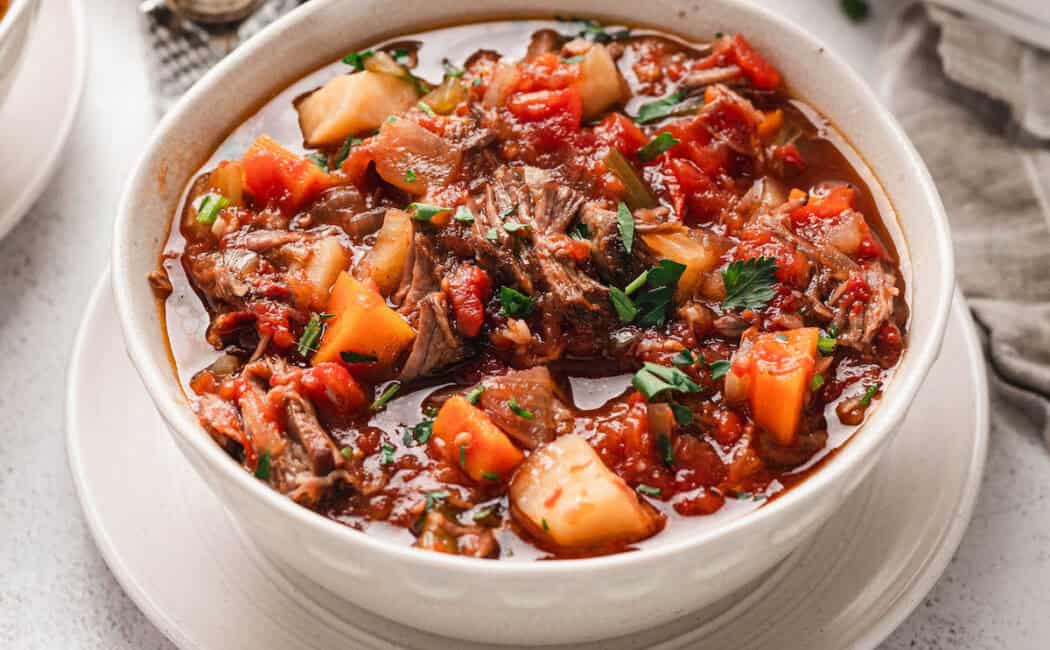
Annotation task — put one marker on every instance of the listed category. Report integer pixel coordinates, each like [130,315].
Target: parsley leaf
[816,382]
[648,490]
[358,357]
[426,109]
[492,234]
[749,283]
[475,394]
[682,414]
[573,59]
[683,358]
[660,282]
[623,305]
[388,453]
[827,344]
[518,410]
[515,303]
[451,70]
[424,211]
[312,333]
[318,158]
[344,151]
[357,59]
[262,469]
[653,380]
[432,499]
[660,108]
[490,476]
[410,177]
[869,393]
[625,221]
[464,214]
[209,207]
[657,146]
[580,231]
[387,395]
[514,226]
[663,445]
[422,430]
[719,368]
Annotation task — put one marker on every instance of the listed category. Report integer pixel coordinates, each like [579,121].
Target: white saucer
[37,116]
[183,562]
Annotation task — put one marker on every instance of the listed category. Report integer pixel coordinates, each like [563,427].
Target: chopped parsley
[719,368]
[388,453]
[475,394]
[426,109]
[514,303]
[262,469]
[816,382]
[623,305]
[749,283]
[580,231]
[683,358]
[410,177]
[855,10]
[357,59]
[657,146]
[595,32]
[344,151]
[648,490]
[682,414]
[827,344]
[663,445]
[387,395]
[346,452]
[422,430]
[654,380]
[312,333]
[463,456]
[209,207]
[514,226]
[492,234]
[490,476]
[358,357]
[573,59]
[636,283]
[432,499]
[660,108]
[869,393]
[463,214]
[318,158]
[749,496]
[451,70]
[625,222]
[660,283]
[423,211]
[484,514]
[518,410]
[546,526]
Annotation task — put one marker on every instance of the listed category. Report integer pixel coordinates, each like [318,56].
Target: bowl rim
[182,422]
[13,15]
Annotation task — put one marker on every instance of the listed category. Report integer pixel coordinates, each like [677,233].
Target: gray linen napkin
[994,178]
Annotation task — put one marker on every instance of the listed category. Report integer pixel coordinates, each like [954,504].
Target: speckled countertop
[55,590]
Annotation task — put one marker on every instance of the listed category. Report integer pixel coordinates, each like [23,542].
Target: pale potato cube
[323,266]
[601,85]
[699,252]
[352,105]
[565,494]
[385,262]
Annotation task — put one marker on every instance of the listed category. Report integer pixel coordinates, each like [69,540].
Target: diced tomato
[712,158]
[790,154]
[792,264]
[728,427]
[469,289]
[272,320]
[617,130]
[736,50]
[824,204]
[697,463]
[545,104]
[545,72]
[274,175]
[699,502]
[333,389]
[694,195]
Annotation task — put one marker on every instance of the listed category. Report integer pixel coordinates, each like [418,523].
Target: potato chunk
[699,253]
[566,496]
[323,267]
[600,83]
[385,262]
[351,105]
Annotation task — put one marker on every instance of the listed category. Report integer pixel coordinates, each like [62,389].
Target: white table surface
[55,590]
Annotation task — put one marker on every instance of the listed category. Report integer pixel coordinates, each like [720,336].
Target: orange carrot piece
[466,437]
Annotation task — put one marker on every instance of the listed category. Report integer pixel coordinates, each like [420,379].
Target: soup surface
[533,289]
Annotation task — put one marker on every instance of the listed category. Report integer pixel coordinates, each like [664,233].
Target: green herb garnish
[637,283]
[358,357]
[209,207]
[424,211]
[648,490]
[855,10]
[490,476]
[623,305]
[580,231]
[518,410]
[388,453]
[660,282]
[514,226]
[312,333]
[816,382]
[463,214]
[451,70]
[683,358]
[463,456]
[492,234]
[663,445]
[827,344]
[546,526]
[422,430]
[387,395]
[346,452]
[660,108]
[719,368]
[318,158]
[262,468]
[657,146]
[653,380]
[344,152]
[410,177]
[573,59]
[475,394]
[357,59]
[625,223]
[749,283]
[514,303]
[869,393]
[426,109]
[682,414]
[432,499]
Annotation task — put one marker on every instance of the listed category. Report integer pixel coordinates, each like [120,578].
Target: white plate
[181,559]
[37,116]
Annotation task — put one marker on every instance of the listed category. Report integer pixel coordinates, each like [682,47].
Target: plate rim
[915,590]
[12,215]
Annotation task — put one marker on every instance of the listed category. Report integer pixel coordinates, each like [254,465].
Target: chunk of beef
[303,424]
[224,277]
[535,391]
[437,344]
[543,41]
[607,250]
[424,277]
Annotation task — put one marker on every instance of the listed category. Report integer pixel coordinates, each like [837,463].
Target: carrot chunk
[466,437]
[272,174]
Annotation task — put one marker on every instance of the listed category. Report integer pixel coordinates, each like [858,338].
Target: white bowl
[497,601]
[15,28]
